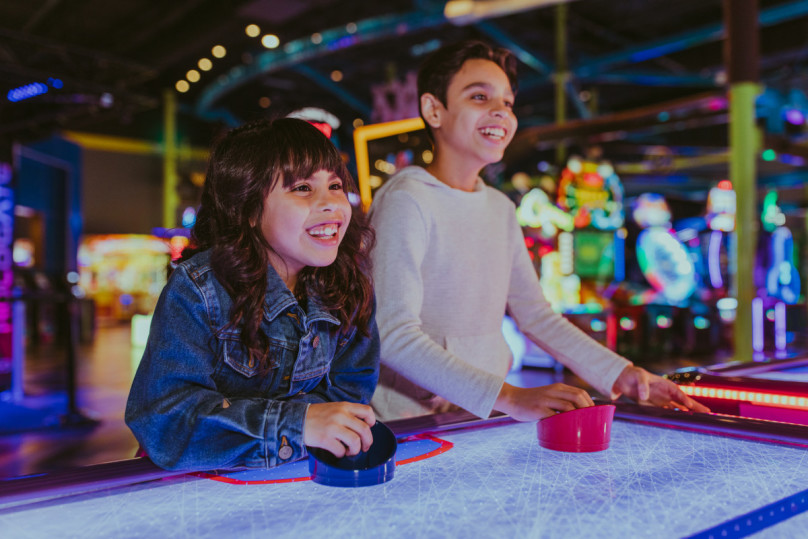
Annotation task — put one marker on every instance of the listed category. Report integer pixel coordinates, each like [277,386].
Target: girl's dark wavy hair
[245,164]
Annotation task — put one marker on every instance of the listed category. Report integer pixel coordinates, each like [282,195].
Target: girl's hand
[645,388]
[534,403]
[342,428]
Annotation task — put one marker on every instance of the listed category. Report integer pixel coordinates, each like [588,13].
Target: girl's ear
[431,109]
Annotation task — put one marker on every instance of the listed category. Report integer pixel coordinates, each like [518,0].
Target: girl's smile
[305,223]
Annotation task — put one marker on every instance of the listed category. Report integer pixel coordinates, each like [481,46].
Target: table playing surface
[494,481]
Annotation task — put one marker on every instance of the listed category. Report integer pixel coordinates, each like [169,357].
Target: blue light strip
[759,519]
[714,32]
[529,58]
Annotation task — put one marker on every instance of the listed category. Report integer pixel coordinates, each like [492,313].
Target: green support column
[170,197]
[742,59]
[743,141]
[561,76]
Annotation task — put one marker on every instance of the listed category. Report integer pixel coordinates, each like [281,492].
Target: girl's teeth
[324,231]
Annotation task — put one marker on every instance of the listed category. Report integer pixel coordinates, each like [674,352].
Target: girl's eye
[336,186]
[302,187]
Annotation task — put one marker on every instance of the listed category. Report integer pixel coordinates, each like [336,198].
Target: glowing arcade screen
[595,255]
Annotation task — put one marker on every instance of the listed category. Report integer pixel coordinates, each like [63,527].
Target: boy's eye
[509,104]
[478,97]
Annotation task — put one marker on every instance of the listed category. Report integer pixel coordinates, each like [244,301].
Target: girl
[264,340]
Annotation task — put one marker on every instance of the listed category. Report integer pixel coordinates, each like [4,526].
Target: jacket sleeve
[174,408]
[354,370]
[559,337]
[402,234]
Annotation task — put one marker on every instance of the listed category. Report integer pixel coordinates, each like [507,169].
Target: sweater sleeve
[559,337]
[402,233]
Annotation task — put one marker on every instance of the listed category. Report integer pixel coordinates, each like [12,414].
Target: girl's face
[305,223]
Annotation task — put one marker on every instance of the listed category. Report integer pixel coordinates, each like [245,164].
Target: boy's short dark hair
[441,66]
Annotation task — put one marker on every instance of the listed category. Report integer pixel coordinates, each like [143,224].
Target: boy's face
[477,123]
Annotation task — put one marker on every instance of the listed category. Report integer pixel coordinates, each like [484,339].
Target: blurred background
[650,227]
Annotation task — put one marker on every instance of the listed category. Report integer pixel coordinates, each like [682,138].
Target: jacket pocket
[237,358]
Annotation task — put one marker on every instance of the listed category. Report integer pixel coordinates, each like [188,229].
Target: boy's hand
[342,428]
[640,385]
[534,403]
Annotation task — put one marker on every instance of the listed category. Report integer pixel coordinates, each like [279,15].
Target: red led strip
[762,398]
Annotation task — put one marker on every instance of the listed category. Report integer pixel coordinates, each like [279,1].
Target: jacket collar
[279,299]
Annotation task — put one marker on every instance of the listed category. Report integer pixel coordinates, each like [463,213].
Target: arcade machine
[778,283]
[547,231]
[591,192]
[707,324]
[667,267]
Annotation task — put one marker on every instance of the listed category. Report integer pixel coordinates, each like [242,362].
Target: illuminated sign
[6,265]
[592,193]
[721,207]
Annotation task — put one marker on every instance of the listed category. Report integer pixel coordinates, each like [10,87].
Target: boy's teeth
[493,131]
[324,230]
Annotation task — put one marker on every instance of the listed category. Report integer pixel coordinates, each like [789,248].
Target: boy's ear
[431,109]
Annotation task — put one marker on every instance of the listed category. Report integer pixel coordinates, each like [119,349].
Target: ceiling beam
[686,40]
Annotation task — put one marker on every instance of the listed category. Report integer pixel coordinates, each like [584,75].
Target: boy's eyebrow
[476,84]
[480,84]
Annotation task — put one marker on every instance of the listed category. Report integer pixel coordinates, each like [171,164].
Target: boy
[450,259]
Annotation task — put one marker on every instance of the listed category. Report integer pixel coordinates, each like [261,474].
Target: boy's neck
[454,172]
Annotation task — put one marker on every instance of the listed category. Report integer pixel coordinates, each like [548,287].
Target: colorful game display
[123,273]
[778,281]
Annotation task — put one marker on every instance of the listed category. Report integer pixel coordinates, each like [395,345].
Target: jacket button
[316,342]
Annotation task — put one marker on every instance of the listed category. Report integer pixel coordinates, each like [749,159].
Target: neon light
[627,324]
[779,400]
[25,92]
[780,325]
[620,254]
[664,321]
[714,259]
[757,325]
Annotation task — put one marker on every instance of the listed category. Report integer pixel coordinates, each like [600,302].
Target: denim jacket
[198,402]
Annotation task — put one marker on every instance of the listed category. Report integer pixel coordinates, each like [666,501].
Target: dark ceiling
[116,59]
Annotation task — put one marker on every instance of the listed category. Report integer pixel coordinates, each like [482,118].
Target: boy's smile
[305,223]
[477,123]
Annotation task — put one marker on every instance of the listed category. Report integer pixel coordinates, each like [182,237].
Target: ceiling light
[218,51]
[182,86]
[270,41]
[461,12]
[204,64]
[252,30]
[192,75]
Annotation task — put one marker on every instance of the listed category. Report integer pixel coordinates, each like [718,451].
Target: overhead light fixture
[462,12]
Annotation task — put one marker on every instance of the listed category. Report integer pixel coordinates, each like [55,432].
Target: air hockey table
[665,474]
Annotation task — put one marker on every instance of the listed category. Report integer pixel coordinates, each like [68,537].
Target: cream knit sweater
[447,265]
